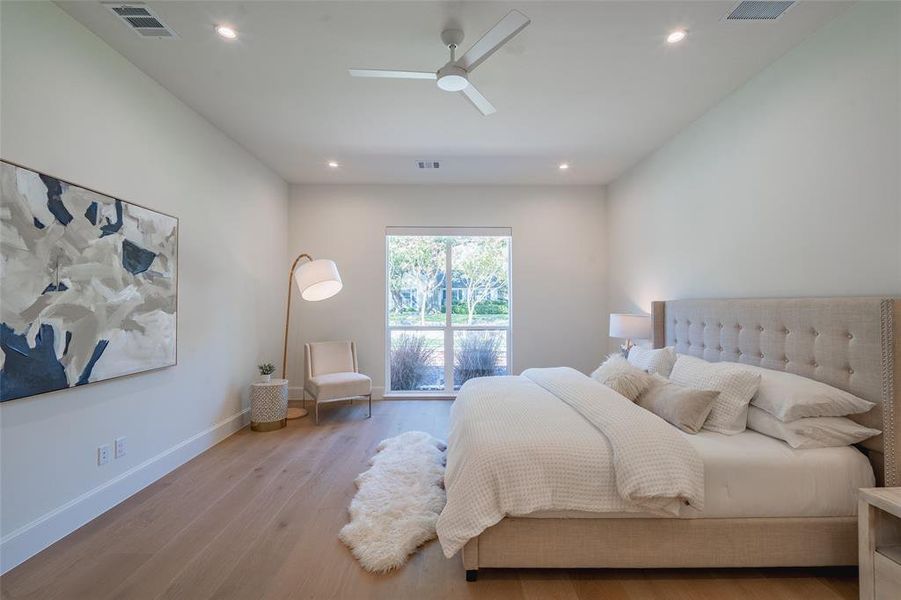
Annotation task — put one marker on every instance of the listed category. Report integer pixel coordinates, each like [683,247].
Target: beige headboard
[849,343]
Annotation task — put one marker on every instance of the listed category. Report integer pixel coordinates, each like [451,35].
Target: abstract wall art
[88,285]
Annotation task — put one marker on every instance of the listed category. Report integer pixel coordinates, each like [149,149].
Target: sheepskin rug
[398,501]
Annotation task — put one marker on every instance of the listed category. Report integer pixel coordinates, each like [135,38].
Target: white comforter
[555,439]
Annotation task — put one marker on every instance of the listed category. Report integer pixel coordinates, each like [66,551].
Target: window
[448,315]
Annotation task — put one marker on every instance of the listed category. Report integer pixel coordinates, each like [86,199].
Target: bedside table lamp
[630,327]
[317,280]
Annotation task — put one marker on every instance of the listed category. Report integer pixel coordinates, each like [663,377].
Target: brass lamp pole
[288,312]
[317,280]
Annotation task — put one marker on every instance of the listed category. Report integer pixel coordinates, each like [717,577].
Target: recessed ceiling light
[226,32]
[563,166]
[676,36]
[333,164]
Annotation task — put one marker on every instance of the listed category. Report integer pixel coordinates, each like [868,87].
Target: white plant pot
[265,378]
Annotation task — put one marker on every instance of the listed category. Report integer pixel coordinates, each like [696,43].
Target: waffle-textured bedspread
[555,439]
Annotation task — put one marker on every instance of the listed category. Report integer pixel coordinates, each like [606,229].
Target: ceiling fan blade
[496,37]
[478,100]
[383,73]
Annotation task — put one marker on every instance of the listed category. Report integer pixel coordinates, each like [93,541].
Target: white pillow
[810,432]
[787,397]
[622,377]
[735,384]
[653,361]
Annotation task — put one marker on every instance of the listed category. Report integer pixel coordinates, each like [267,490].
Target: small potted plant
[266,371]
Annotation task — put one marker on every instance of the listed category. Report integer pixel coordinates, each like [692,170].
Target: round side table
[268,405]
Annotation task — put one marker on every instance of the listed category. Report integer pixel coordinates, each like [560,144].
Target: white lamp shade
[630,327]
[318,279]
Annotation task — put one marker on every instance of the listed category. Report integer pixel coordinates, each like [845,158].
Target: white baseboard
[295,394]
[26,541]
[415,396]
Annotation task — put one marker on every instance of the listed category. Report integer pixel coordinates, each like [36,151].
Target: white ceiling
[590,83]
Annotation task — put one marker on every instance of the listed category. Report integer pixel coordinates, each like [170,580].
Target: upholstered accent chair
[332,374]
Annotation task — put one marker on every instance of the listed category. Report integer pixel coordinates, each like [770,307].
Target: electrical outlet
[103,454]
[121,447]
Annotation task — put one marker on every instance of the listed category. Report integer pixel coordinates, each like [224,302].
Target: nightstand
[879,543]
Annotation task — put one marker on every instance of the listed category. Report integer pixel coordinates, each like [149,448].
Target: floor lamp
[317,280]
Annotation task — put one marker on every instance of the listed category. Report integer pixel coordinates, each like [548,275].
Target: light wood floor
[258,516]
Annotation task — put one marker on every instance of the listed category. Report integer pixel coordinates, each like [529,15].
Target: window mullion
[448,317]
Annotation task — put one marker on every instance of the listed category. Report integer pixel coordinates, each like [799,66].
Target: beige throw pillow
[684,407]
[619,375]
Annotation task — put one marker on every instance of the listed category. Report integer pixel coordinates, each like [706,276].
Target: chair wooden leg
[370,407]
[317,412]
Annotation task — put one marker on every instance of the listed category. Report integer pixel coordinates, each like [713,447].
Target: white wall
[74,108]
[559,313]
[789,187]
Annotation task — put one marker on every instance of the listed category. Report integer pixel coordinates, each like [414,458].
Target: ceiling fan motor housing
[452,78]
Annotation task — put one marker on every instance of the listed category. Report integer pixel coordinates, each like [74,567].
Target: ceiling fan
[454,76]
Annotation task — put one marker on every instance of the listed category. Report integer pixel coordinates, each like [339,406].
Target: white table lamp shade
[318,279]
[630,327]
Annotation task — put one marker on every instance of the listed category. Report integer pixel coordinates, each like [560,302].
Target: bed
[807,513]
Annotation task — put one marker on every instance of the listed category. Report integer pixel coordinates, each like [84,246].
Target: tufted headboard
[848,343]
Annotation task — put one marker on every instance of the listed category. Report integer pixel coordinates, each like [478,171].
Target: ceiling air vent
[753,10]
[428,164]
[141,19]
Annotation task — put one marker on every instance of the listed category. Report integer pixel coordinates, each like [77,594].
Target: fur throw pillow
[622,377]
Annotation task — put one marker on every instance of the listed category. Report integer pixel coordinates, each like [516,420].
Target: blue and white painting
[88,285]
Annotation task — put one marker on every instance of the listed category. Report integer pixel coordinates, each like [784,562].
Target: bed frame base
[663,543]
